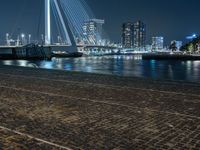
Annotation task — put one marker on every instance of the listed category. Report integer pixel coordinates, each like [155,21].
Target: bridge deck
[42,109]
[89,46]
[4,46]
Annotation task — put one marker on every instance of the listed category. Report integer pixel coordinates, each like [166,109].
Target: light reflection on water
[121,65]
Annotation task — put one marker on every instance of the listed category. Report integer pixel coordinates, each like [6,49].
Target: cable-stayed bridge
[71,19]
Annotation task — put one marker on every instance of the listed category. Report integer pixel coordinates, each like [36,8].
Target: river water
[132,66]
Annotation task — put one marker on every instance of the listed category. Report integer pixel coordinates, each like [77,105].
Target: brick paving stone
[78,111]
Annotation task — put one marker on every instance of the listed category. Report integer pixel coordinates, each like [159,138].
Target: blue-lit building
[127,35]
[191,37]
[139,35]
[157,43]
[179,44]
[93,31]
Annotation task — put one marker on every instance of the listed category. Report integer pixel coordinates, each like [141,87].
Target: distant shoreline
[170,57]
[144,56]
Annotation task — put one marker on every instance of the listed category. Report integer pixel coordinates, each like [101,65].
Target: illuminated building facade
[139,34]
[93,31]
[157,43]
[127,35]
[179,44]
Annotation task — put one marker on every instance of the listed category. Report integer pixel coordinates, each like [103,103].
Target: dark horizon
[172,19]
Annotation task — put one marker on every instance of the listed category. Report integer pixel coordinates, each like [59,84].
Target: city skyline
[173,20]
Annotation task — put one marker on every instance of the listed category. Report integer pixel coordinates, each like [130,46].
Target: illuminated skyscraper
[178,44]
[127,35]
[93,31]
[139,34]
[157,43]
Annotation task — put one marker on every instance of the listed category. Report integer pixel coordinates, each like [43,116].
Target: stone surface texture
[52,109]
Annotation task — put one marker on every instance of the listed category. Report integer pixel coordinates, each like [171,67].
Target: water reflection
[121,65]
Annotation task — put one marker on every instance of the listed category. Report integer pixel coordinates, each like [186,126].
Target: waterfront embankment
[184,57]
[50,109]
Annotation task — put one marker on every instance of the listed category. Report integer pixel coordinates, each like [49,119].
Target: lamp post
[23,38]
[7,39]
[29,38]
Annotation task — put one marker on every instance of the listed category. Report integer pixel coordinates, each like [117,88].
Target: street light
[29,38]
[22,35]
[23,40]
[7,39]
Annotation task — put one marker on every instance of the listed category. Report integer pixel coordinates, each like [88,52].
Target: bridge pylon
[68,35]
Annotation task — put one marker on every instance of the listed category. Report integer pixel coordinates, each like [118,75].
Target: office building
[139,34]
[157,43]
[178,44]
[127,35]
[93,31]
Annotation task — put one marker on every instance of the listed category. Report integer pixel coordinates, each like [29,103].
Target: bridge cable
[39,21]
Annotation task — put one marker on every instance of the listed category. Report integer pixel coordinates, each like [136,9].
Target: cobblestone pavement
[45,109]
[11,141]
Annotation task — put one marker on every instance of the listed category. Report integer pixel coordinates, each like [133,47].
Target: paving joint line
[35,138]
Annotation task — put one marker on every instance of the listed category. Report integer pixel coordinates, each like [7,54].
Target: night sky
[173,19]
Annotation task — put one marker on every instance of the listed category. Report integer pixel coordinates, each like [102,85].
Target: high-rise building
[92,31]
[139,34]
[157,43]
[127,35]
[178,44]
